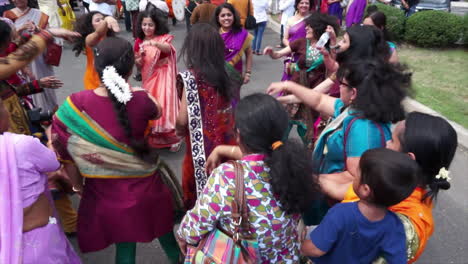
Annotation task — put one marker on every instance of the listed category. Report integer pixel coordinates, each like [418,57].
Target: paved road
[450,239]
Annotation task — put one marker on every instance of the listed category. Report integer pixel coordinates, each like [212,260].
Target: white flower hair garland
[443,174]
[116,85]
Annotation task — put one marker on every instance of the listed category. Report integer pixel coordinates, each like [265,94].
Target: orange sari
[158,74]
[91,78]
[413,207]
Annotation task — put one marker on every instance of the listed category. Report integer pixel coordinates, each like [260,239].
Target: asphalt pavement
[447,245]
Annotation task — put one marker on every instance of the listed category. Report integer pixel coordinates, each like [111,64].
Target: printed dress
[274,230]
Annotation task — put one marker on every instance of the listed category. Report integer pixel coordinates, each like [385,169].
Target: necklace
[312,54]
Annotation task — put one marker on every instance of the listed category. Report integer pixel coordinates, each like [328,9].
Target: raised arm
[322,103]
[277,54]
[27,52]
[101,31]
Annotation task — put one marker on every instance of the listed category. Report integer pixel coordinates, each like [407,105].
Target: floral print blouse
[272,227]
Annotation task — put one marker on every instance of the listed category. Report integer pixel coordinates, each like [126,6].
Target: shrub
[395,21]
[433,29]
[465,29]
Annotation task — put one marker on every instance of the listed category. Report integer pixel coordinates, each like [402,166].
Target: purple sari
[336,10]
[296,31]
[22,181]
[233,43]
[355,12]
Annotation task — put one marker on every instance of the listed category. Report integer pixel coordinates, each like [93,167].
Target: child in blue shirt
[362,231]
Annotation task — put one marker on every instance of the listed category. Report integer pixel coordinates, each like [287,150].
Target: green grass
[440,80]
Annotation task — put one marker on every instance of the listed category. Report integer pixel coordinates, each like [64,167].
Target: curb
[409,104]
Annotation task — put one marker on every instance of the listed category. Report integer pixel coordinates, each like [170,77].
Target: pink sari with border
[159,79]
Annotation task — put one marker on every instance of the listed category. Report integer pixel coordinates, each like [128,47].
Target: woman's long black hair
[84,26]
[366,42]
[236,24]
[433,141]
[261,121]
[118,52]
[203,52]
[381,88]
[319,22]
[380,21]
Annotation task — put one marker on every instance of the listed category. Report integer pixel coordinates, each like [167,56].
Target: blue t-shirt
[363,135]
[349,237]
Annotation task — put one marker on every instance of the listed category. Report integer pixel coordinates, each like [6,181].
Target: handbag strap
[240,214]
[348,128]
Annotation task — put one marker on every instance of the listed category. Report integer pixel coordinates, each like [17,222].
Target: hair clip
[443,174]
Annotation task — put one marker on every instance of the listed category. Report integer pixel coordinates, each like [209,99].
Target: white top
[260,8]
[104,8]
[287,7]
[157,3]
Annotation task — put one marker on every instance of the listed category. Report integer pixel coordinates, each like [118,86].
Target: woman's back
[274,230]
[217,116]
[140,109]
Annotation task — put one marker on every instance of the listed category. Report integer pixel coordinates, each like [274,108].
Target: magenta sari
[296,31]
[158,74]
[233,43]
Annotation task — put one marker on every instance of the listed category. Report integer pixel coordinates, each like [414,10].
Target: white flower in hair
[116,85]
[443,174]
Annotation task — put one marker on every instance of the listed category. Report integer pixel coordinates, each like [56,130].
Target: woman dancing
[237,43]
[27,18]
[157,59]
[99,134]
[309,70]
[93,27]
[208,81]
[295,29]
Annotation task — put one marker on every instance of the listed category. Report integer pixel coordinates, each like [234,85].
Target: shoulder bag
[250,21]
[223,247]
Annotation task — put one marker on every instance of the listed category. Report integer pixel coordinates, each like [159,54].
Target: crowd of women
[358,188]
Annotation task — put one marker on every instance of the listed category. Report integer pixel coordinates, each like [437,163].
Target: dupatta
[11,209]
[95,152]
[195,129]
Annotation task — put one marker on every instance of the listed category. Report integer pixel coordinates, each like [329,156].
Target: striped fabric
[218,248]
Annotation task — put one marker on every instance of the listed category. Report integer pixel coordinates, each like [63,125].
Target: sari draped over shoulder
[296,31]
[235,45]
[21,184]
[211,123]
[47,100]
[158,74]
[124,199]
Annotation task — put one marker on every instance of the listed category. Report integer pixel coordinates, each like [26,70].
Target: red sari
[218,129]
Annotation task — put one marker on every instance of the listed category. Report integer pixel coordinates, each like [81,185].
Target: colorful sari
[235,45]
[211,123]
[124,199]
[47,100]
[158,74]
[296,31]
[21,184]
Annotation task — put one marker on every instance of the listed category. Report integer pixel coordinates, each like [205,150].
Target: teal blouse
[363,135]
